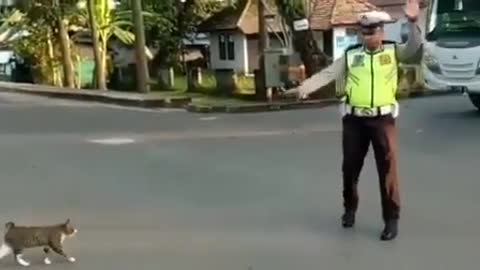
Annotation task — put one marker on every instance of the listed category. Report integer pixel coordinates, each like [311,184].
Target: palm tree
[104,22]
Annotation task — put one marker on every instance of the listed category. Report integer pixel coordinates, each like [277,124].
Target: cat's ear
[68,221]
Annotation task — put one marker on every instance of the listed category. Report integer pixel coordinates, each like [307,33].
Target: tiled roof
[329,13]
[325,14]
[346,11]
[243,17]
[226,19]
[384,3]
[320,19]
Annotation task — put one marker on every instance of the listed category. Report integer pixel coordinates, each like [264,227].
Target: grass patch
[244,85]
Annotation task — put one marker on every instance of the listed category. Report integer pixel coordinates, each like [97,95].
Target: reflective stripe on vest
[372,79]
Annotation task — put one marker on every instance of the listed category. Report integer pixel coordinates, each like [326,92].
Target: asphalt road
[235,192]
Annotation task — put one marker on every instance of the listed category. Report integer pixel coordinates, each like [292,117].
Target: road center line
[113,141]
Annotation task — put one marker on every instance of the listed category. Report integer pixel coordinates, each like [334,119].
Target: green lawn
[245,85]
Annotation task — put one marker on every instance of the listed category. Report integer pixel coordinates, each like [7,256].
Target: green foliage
[171,21]
[37,48]
[292,9]
[110,21]
[40,46]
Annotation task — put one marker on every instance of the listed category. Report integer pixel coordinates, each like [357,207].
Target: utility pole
[143,77]
[262,44]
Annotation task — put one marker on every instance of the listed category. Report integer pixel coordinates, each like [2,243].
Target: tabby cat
[18,238]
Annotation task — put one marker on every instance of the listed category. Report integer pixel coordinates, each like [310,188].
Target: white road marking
[208,118]
[113,141]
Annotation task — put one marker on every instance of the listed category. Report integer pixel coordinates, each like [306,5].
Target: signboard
[301,25]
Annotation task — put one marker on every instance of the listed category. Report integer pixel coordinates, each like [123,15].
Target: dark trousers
[358,133]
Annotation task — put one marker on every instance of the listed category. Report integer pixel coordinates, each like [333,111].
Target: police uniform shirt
[337,70]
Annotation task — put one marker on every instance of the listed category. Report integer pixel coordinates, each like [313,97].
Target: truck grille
[460,66]
[459,71]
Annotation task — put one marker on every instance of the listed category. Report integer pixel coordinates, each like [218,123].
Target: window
[226,46]
[231,48]
[221,47]
[3,69]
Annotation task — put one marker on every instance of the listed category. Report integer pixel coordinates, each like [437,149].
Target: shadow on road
[457,115]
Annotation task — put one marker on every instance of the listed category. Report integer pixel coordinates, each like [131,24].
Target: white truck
[451,51]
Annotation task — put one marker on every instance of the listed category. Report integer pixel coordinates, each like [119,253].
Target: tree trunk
[141,58]
[68,71]
[99,68]
[103,60]
[53,68]
[312,57]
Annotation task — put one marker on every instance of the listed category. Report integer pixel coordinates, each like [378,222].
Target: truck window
[453,19]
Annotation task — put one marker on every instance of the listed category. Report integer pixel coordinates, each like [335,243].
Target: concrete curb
[282,106]
[104,97]
[256,108]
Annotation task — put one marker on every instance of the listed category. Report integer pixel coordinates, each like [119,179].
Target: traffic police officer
[367,78]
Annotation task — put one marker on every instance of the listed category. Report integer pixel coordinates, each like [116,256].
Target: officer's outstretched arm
[414,42]
[322,78]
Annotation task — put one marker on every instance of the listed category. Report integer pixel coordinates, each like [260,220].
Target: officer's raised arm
[409,49]
[321,79]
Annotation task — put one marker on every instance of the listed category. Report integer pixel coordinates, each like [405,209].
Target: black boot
[390,231]
[348,219]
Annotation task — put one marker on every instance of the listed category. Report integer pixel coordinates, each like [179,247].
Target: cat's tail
[9,225]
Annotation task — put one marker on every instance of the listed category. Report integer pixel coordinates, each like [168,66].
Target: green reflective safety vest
[371,78]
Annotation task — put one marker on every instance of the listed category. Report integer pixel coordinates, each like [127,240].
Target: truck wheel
[475,99]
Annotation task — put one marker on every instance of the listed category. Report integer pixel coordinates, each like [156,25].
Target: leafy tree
[172,21]
[49,19]
[104,21]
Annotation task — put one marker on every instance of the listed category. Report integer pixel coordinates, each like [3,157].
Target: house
[233,37]
[234,31]
[334,23]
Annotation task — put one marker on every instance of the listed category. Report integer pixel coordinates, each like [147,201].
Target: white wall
[8,3]
[123,56]
[393,31]
[240,64]
[341,41]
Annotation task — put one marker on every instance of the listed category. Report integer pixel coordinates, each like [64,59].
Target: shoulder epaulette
[389,42]
[352,47]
